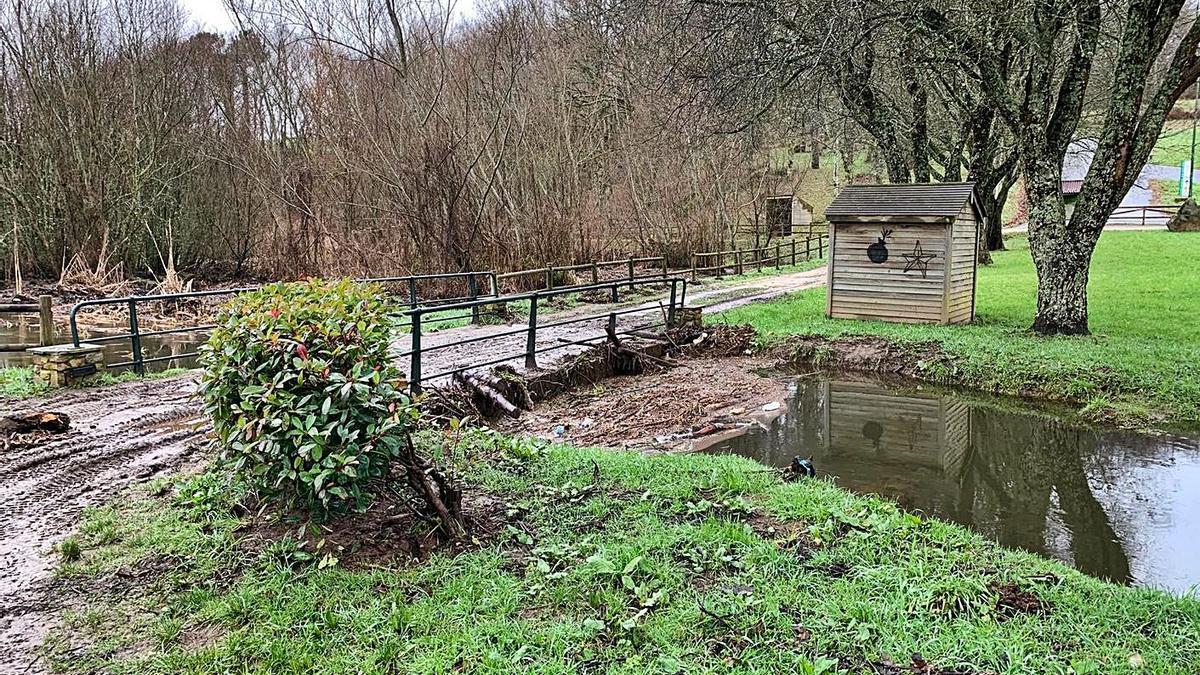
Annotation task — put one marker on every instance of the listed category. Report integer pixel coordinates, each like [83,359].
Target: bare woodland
[347,138]
[373,137]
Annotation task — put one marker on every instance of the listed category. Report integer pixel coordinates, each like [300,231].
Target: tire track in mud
[120,435]
[130,433]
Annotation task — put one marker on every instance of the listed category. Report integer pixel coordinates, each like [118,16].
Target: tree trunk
[1062,253]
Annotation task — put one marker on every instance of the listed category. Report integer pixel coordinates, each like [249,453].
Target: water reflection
[155,346]
[1117,505]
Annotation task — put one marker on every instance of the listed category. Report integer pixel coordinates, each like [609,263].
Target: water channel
[17,331]
[1118,505]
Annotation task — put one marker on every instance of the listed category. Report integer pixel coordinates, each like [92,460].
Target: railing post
[793,252]
[595,273]
[135,339]
[412,293]
[737,258]
[45,321]
[671,307]
[808,248]
[693,267]
[414,375]
[615,297]
[531,336]
[630,262]
[664,265]
[473,291]
[495,281]
[550,277]
[777,254]
[758,259]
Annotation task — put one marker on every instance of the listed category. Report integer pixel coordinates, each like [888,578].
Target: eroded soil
[120,435]
[698,399]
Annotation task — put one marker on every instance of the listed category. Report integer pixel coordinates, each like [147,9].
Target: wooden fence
[43,308]
[552,277]
[735,261]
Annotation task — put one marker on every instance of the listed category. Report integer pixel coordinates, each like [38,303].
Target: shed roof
[938,200]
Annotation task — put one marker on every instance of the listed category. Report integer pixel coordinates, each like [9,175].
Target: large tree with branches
[1045,66]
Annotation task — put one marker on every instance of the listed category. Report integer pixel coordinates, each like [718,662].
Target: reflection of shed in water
[912,431]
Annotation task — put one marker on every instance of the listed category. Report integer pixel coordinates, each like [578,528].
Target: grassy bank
[1140,366]
[605,562]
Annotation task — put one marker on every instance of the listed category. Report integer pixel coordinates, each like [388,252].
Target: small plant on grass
[306,403]
[70,550]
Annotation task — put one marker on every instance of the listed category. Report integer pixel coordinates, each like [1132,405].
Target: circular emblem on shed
[878,252]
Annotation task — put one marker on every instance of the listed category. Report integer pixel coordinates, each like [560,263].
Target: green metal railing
[135,336]
[418,351]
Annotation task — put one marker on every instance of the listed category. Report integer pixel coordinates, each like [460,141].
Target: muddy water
[1117,505]
[17,331]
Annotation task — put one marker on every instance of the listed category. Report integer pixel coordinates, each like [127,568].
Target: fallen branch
[486,391]
[54,422]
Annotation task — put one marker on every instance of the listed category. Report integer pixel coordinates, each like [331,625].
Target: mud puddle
[1118,505]
[119,436]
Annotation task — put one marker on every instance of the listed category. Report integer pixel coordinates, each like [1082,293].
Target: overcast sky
[210,14]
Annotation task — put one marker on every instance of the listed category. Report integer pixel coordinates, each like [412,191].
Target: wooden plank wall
[917,430]
[960,305]
[861,289]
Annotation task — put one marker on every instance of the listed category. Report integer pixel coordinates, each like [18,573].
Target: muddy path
[127,434]
[119,436]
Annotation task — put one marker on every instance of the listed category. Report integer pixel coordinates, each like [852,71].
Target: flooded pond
[17,330]
[1118,505]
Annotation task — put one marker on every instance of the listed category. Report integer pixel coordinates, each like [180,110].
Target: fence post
[630,262]
[793,252]
[473,291]
[664,265]
[671,307]
[412,293]
[550,277]
[808,248]
[777,254]
[495,282]
[531,335]
[758,259]
[615,298]
[135,339]
[45,321]
[737,261]
[595,273]
[414,375]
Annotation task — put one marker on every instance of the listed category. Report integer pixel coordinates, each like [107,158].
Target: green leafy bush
[304,398]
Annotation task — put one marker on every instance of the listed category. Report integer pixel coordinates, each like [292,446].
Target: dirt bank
[120,435]
[670,408]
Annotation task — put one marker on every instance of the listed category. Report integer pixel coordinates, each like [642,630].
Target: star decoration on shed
[917,259]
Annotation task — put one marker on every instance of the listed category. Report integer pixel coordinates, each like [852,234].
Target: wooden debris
[53,422]
[486,392]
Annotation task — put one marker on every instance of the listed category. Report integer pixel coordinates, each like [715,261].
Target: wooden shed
[904,252]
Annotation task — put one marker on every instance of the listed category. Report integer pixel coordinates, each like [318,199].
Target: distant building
[786,212]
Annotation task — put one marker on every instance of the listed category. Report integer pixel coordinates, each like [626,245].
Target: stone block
[62,365]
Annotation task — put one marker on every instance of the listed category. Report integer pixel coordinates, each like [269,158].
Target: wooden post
[758,259]
[630,261]
[595,273]
[550,278]
[693,267]
[777,254]
[793,252]
[737,261]
[45,320]
[808,248]
[664,265]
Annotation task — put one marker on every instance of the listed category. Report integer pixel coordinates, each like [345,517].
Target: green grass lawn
[1174,143]
[609,562]
[1141,365]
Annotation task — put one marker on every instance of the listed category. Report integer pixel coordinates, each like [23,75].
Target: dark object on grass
[801,468]
[54,422]
[1186,219]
